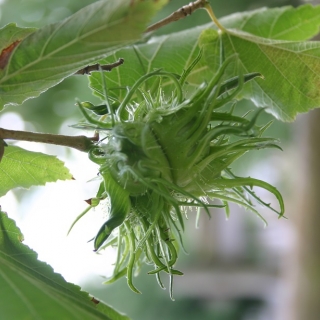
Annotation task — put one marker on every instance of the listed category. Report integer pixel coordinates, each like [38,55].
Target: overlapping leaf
[175,52]
[286,23]
[291,70]
[172,53]
[22,168]
[56,51]
[31,290]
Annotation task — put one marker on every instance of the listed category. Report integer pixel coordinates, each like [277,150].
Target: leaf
[172,53]
[31,290]
[22,168]
[54,52]
[175,52]
[291,70]
[11,33]
[10,37]
[286,23]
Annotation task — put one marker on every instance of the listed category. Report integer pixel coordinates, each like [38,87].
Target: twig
[97,67]
[179,14]
[81,143]
[2,145]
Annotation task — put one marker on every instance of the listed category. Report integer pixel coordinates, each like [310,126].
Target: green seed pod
[135,154]
[163,153]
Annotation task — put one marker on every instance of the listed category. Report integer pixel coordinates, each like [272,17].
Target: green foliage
[11,33]
[22,168]
[31,290]
[286,23]
[170,132]
[283,92]
[56,51]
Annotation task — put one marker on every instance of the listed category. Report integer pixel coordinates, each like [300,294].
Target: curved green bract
[119,208]
[164,154]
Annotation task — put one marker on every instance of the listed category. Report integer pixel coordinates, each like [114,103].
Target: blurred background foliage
[234,270]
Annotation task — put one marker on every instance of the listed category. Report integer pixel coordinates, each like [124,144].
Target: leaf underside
[31,290]
[22,168]
[56,51]
[285,23]
[291,70]
[280,59]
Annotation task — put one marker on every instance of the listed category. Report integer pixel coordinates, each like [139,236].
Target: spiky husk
[162,155]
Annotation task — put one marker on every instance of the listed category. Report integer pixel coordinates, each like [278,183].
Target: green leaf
[11,33]
[120,206]
[176,51]
[31,290]
[285,92]
[291,70]
[286,23]
[10,37]
[172,53]
[22,168]
[54,52]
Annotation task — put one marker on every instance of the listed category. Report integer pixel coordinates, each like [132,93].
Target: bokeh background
[236,269]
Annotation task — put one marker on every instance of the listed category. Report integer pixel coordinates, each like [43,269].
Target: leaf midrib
[45,57]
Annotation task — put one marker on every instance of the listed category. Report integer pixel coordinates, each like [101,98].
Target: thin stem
[180,14]
[98,66]
[86,210]
[213,17]
[81,143]
[2,145]
[104,87]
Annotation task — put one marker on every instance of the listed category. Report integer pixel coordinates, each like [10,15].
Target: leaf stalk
[213,17]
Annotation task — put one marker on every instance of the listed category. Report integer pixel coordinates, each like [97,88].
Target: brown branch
[2,145]
[97,67]
[81,143]
[179,14]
